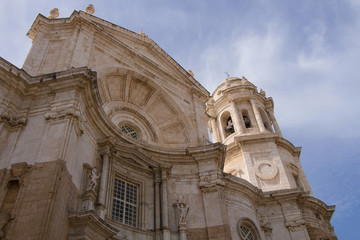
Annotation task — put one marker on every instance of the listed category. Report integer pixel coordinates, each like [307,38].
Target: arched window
[247,230]
[246,233]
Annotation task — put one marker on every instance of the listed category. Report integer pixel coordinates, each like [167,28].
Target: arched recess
[130,96]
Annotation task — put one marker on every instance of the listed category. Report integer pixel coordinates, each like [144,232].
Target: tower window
[124,209]
[129,131]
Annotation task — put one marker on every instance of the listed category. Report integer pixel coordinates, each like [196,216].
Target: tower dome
[241,117]
[237,108]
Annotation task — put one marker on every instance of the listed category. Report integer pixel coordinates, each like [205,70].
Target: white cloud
[309,84]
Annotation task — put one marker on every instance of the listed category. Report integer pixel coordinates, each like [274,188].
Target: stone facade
[104,136]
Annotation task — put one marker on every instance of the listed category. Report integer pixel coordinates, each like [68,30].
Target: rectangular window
[125,197]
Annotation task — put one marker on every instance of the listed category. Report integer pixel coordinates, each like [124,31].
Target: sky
[304,54]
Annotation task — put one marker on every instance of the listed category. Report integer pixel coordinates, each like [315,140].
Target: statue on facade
[246,121]
[183,212]
[230,126]
[92,180]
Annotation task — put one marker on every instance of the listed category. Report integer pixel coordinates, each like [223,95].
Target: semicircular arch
[124,90]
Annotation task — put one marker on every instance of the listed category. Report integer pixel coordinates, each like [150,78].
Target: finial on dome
[90,9]
[54,13]
[143,34]
[262,92]
[191,73]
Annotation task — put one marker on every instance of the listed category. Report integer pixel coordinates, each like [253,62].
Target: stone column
[259,120]
[103,183]
[157,208]
[221,130]
[274,122]
[215,132]
[182,230]
[165,211]
[236,118]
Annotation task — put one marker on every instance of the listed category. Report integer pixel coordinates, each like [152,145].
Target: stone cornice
[281,142]
[318,205]
[207,152]
[241,185]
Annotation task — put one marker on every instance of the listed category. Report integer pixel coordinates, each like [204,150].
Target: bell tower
[242,118]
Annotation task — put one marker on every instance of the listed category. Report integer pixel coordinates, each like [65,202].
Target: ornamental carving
[266,170]
[68,113]
[207,184]
[295,225]
[266,227]
[12,121]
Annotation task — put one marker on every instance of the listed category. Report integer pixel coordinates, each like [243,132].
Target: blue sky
[305,54]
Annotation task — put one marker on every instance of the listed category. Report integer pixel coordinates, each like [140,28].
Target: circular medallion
[266,170]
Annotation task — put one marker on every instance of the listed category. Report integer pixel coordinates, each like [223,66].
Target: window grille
[129,131]
[246,233]
[125,197]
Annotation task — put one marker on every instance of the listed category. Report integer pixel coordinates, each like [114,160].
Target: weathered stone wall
[46,196]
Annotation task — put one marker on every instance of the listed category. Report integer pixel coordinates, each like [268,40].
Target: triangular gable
[145,49]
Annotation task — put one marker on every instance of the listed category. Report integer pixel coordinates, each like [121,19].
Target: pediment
[145,93]
[153,59]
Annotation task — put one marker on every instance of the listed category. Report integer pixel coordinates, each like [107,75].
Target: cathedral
[103,135]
